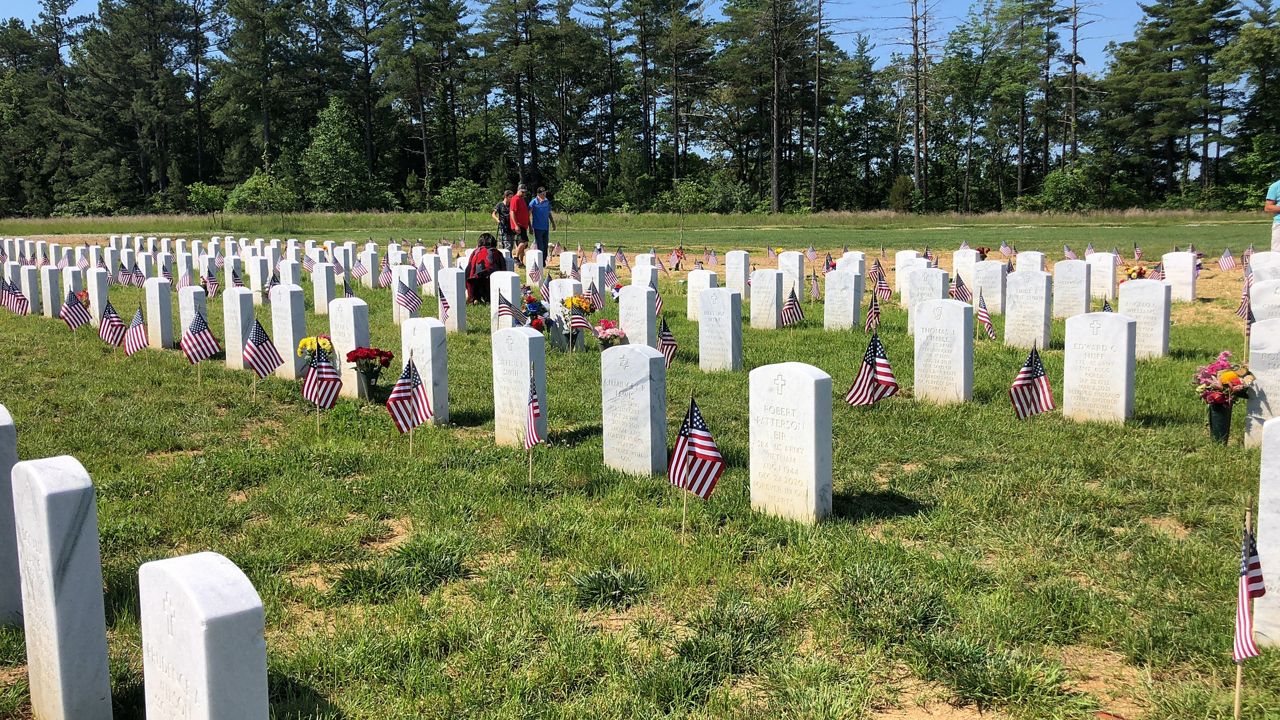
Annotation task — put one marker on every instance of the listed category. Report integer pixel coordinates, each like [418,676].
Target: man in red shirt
[520,215]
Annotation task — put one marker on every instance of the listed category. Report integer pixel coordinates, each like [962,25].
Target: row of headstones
[204,650]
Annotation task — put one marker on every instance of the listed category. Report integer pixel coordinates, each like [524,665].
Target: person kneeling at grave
[485,261]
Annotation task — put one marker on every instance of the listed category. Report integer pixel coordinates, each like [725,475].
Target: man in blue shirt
[1272,208]
[542,221]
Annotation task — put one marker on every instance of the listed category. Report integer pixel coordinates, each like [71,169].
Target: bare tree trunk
[817,109]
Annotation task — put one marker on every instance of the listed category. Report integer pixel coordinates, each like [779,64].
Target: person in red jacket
[485,261]
[520,215]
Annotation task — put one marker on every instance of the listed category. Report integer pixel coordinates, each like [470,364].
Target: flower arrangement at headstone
[1219,384]
[573,317]
[307,346]
[370,362]
[1133,272]
[83,298]
[608,334]
[983,251]
[533,309]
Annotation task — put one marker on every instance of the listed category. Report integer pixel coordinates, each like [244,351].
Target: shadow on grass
[292,699]
[469,418]
[880,504]
[578,434]
[1189,354]
[1157,420]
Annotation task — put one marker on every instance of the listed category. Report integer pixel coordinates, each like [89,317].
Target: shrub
[1065,191]
[262,193]
[610,586]
[902,195]
[204,199]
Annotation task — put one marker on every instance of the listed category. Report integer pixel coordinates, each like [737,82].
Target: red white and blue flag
[408,403]
[1251,586]
[135,338]
[534,411]
[73,313]
[667,343]
[1030,392]
[260,354]
[322,382]
[198,342]
[696,463]
[875,380]
[110,326]
[984,317]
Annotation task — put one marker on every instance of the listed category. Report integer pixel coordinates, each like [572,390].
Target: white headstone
[237,323]
[423,339]
[898,259]
[72,280]
[290,273]
[1264,299]
[1180,273]
[1098,368]
[924,284]
[445,253]
[259,276]
[10,584]
[593,273]
[1266,609]
[159,313]
[568,261]
[843,300]
[369,258]
[504,284]
[452,282]
[1026,310]
[349,329]
[516,353]
[791,263]
[61,569]
[1029,260]
[645,275]
[646,260]
[288,327]
[1070,288]
[637,315]
[699,280]
[944,351]
[191,299]
[990,277]
[322,287]
[904,271]
[204,648]
[1264,397]
[30,288]
[853,260]
[766,299]
[50,292]
[719,330]
[1147,302]
[407,276]
[1102,275]
[737,269]
[560,289]
[963,264]
[533,260]
[790,441]
[1265,265]
[98,284]
[633,386]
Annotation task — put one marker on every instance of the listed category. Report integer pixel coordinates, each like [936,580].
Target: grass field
[1040,569]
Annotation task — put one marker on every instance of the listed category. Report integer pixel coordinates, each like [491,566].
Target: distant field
[1040,569]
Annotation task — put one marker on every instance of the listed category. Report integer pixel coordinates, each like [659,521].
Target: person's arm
[494,214]
[1271,208]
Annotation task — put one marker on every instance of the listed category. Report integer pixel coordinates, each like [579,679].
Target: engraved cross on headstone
[780,383]
[1095,326]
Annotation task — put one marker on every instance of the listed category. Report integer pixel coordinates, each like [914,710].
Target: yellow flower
[1227,377]
[306,346]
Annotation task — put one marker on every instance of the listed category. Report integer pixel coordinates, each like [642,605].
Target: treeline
[633,105]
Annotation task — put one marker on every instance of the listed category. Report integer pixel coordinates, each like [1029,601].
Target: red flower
[538,324]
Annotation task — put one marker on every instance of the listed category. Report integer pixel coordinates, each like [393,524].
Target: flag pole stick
[1240,663]
[317,421]
[199,374]
[255,386]
[529,481]
[684,515]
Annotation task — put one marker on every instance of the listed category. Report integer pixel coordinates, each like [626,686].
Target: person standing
[543,222]
[1272,208]
[502,216]
[519,210]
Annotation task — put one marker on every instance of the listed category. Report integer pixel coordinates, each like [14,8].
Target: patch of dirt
[11,675]
[238,497]
[1168,526]
[1106,676]
[314,576]
[398,532]
[919,700]
[171,455]
[618,621]
[911,467]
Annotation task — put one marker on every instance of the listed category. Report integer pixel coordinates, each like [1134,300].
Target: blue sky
[1112,21]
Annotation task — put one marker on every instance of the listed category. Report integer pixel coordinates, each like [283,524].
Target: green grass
[970,559]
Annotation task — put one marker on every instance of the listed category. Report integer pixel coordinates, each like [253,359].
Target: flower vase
[1220,421]
[364,384]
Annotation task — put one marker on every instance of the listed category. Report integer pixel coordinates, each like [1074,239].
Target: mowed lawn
[1036,569]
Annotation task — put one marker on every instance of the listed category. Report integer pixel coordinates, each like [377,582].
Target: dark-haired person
[502,216]
[485,260]
[543,222]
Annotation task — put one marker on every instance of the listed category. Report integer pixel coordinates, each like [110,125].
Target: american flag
[875,380]
[322,382]
[873,315]
[555,249]
[72,312]
[792,313]
[1008,266]
[1227,261]
[657,301]
[535,273]
[673,260]
[814,291]
[1243,310]
[198,342]
[667,343]
[123,276]
[984,317]
[531,436]
[346,287]
[578,321]
[111,327]
[13,299]
[828,264]
[1248,253]
[1157,272]
[408,403]
[928,255]
[358,270]
[184,280]
[1068,253]
[211,284]
[811,254]
[307,263]
[1248,323]
[574,272]
[507,309]
[620,258]
[166,272]
[594,297]
[1137,252]
[1004,247]
[82,263]
[1251,586]
[1030,393]
[964,245]
[661,266]
[273,282]
[876,272]
[960,291]
[135,338]
[1106,305]
[236,281]
[218,259]
[883,291]
[1119,260]
[444,304]
[544,287]
[423,272]
[384,275]
[139,279]
[696,464]
[260,354]
[706,255]
[610,277]
[770,253]
[338,269]
[407,298]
